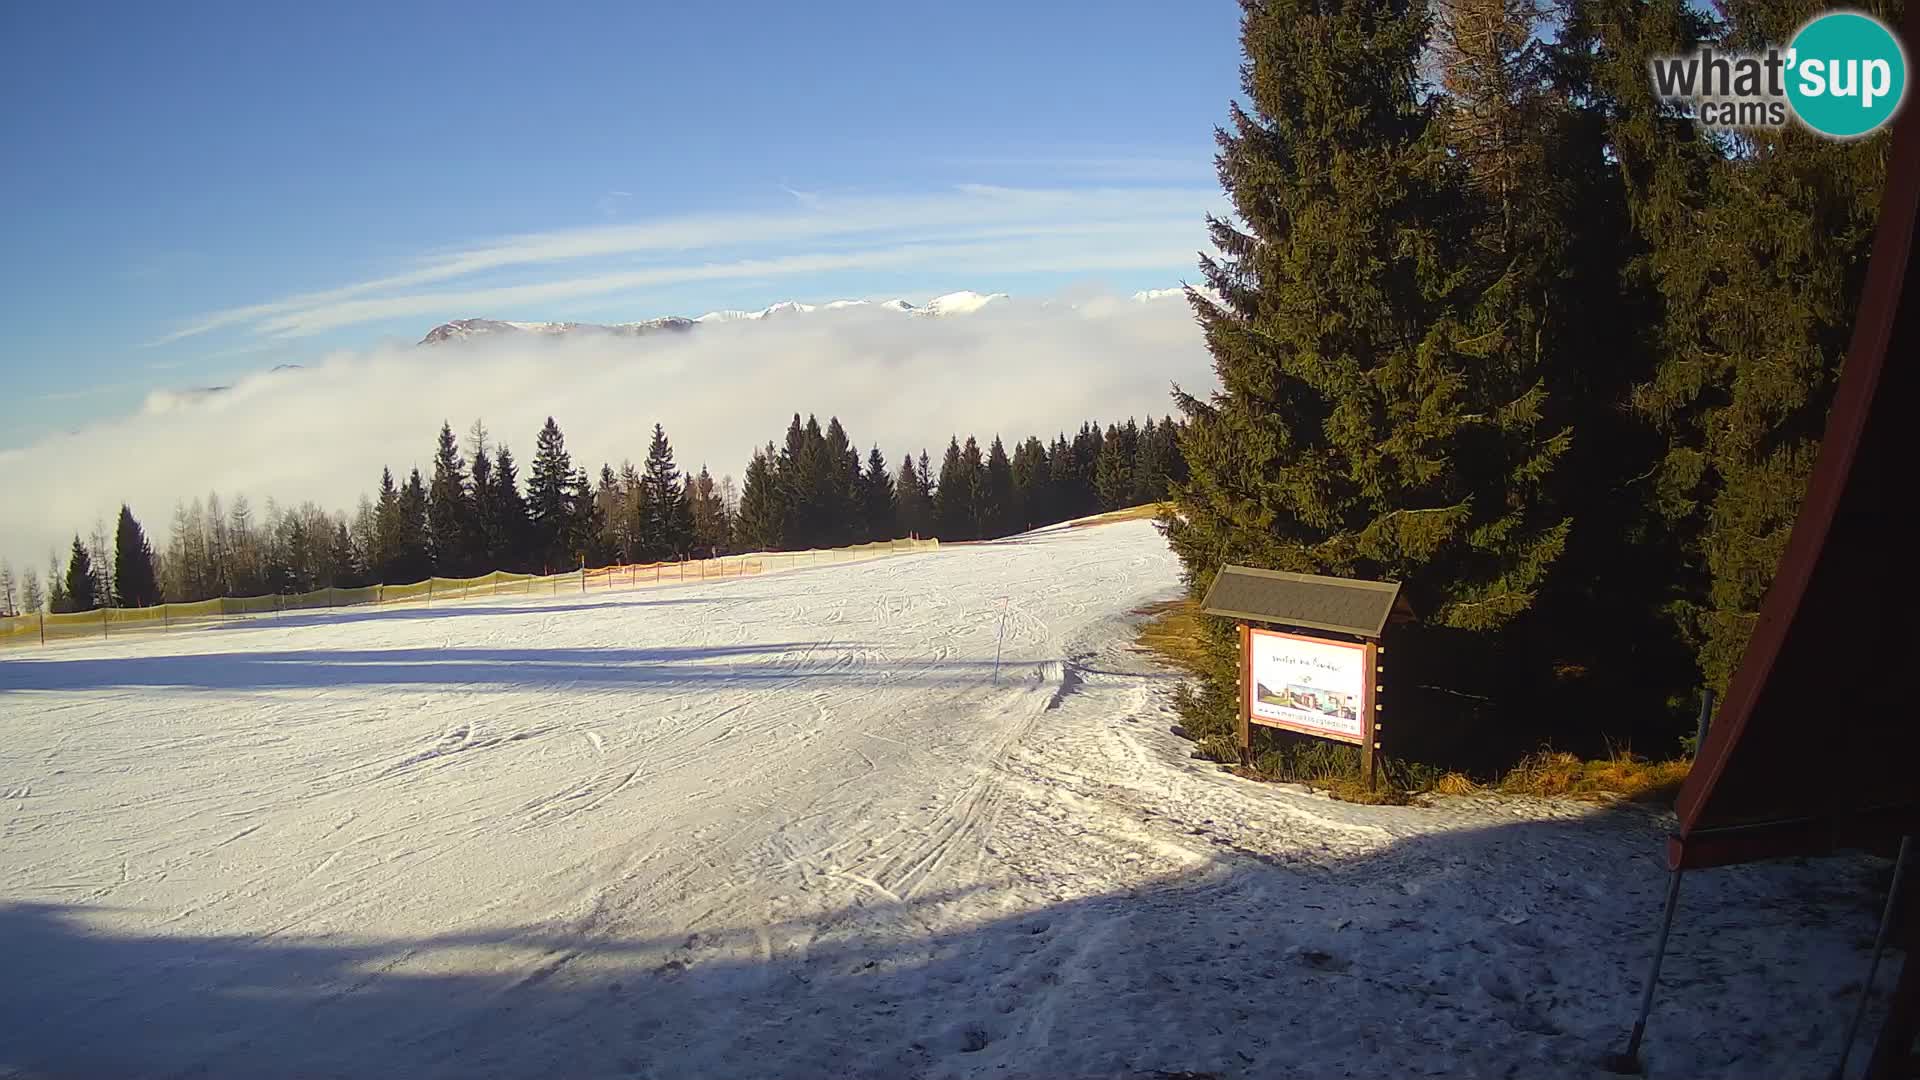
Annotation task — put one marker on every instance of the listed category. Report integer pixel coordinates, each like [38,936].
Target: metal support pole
[1629,1060]
[1706,719]
[1879,947]
[997,645]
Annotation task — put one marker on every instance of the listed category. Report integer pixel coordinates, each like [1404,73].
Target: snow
[794,825]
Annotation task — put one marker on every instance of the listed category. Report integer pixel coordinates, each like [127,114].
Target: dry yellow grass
[1557,774]
[1173,633]
[1131,513]
[1455,783]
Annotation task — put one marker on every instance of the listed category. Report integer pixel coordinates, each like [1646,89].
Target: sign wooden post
[1246,680]
[1369,723]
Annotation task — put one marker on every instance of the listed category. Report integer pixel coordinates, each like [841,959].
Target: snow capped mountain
[964,302]
[960,303]
[463,329]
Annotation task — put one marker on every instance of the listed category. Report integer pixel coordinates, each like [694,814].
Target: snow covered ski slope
[795,826]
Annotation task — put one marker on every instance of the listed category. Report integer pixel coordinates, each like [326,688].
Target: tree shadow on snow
[764,666]
[1511,950]
[453,608]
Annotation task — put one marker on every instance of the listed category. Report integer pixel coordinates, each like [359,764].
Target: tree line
[472,514]
[1493,321]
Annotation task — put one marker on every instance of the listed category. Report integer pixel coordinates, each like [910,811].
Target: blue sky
[195,192]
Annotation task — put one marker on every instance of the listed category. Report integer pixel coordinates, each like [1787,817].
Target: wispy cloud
[986,228]
[323,433]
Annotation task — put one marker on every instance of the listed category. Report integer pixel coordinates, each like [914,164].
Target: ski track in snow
[791,826]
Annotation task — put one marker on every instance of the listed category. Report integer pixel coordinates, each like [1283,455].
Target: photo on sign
[1318,686]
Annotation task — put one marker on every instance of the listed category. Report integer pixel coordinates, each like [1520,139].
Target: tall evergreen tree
[1030,485]
[836,497]
[584,528]
[669,528]
[1359,430]
[510,532]
[450,531]
[9,591]
[390,529]
[763,512]
[953,495]
[416,560]
[550,500]
[711,529]
[483,546]
[997,510]
[797,469]
[81,580]
[1113,470]
[878,503]
[136,583]
[914,510]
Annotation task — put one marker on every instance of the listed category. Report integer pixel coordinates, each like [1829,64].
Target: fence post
[103,622]
[166,618]
[429,591]
[43,627]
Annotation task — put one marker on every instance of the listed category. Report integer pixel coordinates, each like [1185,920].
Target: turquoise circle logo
[1847,74]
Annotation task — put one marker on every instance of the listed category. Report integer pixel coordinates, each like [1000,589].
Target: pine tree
[9,595]
[1149,466]
[608,504]
[414,552]
[390,529]
[136,584]
[914,511]
[511,527]
[763,512]
[81,580]
[549,500]
[669,527]
[449,535]
[711,531]
[1030,485]
[483,547]
[35,602]
[634,512]
[879,506]
[347,571]
[1062,497]
[798,475]
[583,521]
[1357,432]
[1176,463]
[953,496]
[997,510]
[839,483]
[1113,471]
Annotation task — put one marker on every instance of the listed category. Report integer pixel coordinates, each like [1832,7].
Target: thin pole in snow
[1879,946]
[1003,638]
[1629,1060]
